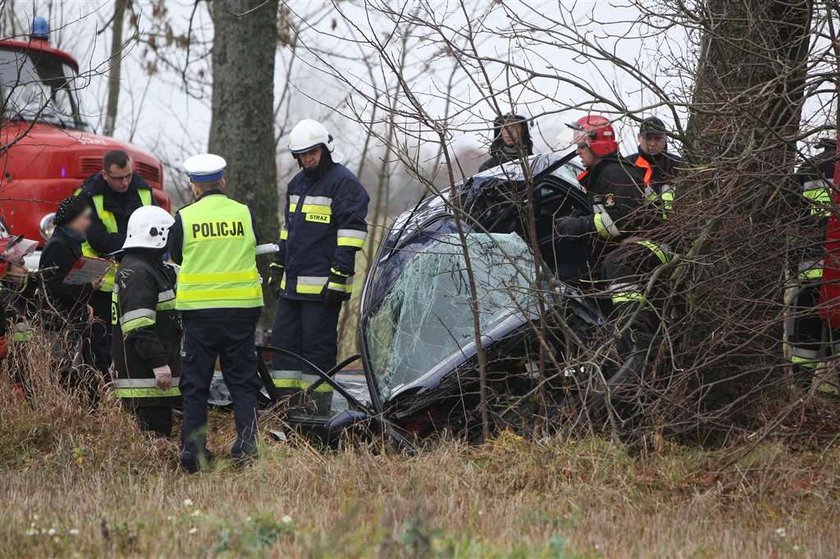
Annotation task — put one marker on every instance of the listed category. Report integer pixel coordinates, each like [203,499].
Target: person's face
[587,157]
[511,134]
[652,142]
[118,178]
[310,159]
[82,223]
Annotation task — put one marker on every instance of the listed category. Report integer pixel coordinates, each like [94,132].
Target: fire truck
[47,144]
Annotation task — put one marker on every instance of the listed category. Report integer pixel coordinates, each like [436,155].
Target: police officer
[511,140]
[147,332]
[804,329]
[113,194]
[660,167]
[220,298]
[618,227]
[312,274]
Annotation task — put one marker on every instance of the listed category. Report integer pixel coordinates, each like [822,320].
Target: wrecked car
[417,323]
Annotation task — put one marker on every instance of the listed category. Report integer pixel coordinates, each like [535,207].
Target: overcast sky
[171,118]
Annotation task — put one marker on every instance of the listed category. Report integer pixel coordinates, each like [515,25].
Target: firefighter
[617,228]
[220,299]
[804,329]
[660,167]
[312,274]
[147,332]
[113,194]
[511,140]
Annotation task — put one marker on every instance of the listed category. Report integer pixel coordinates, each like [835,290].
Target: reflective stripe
[137,313]
[804,362]
[135,323]
[628,298]
[604,224]
[144,388]
[166,295]
[810,270]
[138,318]
[212,277]
[148,382]
[654,248]
[284,233]
[311,204]
[128,393]
[297,380]
[337,272]
[337,287]
[351,238]
[310,285]
[217,294]
[626,292]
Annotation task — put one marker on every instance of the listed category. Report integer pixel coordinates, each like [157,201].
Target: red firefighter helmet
[596,132]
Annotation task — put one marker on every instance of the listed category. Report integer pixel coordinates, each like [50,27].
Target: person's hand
[163,377]
[569,226]
[275,276]
[4,347]
[333,298]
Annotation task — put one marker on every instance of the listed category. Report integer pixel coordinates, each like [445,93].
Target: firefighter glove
[163,377]
[570,226]
[275,276]
[334,291]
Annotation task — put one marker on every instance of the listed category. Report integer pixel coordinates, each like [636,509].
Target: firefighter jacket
[214,241]
[813,208]
[147,332]
[615,189]
[659,172]
[324,226]
[111,211]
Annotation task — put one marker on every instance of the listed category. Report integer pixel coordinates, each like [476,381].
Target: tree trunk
[735,208]
[115,68]
[242,126]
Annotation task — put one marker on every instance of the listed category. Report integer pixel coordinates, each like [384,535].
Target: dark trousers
[308,328]
[230,337]
[98,351]
[155,421]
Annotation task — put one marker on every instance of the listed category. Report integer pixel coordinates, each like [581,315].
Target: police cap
[205,167]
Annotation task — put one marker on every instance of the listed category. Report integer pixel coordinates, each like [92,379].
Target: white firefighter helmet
[307,134]
[148,227]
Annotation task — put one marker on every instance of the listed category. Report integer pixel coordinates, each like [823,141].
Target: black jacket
[663,168]
[615,188]
[120,204]
[64,305]
[147,332]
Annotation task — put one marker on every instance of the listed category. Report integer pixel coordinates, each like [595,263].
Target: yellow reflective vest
[109,220]
[218,268]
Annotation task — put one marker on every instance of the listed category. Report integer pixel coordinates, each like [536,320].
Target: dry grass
[78,484]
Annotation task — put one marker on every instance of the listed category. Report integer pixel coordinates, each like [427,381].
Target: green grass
[74,484]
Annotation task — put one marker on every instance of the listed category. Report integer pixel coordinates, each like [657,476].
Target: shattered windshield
[37,86]
[426,316]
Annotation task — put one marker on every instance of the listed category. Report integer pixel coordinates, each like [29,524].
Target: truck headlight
[47,226]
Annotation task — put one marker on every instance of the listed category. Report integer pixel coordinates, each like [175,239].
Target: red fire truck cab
[47,145]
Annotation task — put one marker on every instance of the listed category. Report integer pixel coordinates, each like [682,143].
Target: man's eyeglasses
[123,178]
